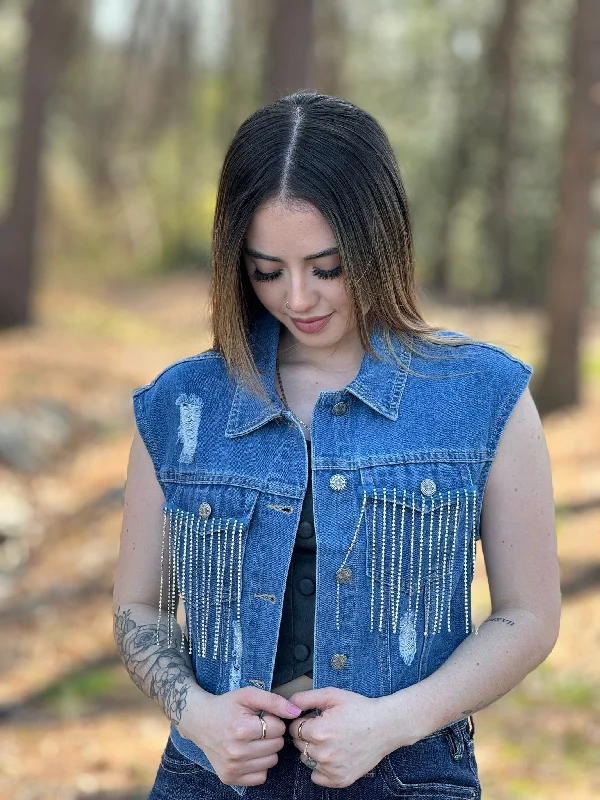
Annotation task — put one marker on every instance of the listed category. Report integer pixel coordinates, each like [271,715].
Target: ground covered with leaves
[72,724]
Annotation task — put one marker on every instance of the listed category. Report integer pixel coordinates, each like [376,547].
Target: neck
[345,356]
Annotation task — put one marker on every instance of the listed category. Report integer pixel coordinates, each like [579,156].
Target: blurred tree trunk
[559,385]
[289,49]
[481,120]
[52,25]
[503,80]
[331,39]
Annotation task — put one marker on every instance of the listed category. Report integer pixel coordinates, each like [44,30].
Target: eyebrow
[321,254]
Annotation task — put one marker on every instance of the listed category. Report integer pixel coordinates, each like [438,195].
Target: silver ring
[287,305]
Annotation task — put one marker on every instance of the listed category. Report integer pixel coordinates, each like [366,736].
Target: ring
[264,725]
[310,761]
[300,731]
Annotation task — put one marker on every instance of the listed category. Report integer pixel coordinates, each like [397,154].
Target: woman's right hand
[227,728]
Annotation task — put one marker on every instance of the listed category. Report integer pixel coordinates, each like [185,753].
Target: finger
[260,700]
[262,748]
[258,764]
[314,698]
[306,722]
[252,779]
[275,726]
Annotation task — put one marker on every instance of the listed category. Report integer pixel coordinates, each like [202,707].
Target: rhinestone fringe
[432,544]
[201,563]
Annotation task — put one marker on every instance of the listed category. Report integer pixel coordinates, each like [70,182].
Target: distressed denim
[400,460]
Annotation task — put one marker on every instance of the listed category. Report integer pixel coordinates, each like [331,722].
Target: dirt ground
[72,724]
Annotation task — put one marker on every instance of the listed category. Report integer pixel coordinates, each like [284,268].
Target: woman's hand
[228,729]
[350,736]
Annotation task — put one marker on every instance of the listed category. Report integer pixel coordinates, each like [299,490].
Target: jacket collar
[379,383]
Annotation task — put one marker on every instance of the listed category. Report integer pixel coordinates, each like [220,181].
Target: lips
[310,319]
[313,325]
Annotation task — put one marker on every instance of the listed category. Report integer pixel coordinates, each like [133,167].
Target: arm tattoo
[500,619]
[480,706]
[162,673]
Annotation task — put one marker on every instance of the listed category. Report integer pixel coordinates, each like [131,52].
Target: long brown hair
[326,151]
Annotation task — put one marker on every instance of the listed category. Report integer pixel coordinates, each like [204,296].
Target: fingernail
[293,709]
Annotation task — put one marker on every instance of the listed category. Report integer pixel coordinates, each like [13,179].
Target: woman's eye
[265,276]
[325,274]
[328,273]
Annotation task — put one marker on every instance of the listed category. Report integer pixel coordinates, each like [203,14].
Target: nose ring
[287,305]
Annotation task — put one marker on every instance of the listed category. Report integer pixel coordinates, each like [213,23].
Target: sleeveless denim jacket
[399,466]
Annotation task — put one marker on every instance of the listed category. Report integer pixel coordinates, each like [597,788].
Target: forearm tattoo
[500,619]
[162,673]
[483,705]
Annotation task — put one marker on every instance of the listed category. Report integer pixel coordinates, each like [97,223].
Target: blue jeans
[439,767]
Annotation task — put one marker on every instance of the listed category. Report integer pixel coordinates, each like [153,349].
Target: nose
[301,298]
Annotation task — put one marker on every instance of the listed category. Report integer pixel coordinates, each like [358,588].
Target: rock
[30,438]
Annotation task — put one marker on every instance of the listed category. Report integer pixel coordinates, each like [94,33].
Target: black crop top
[296,634]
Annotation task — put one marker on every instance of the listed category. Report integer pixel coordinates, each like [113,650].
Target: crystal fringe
[432,552]
[206,577]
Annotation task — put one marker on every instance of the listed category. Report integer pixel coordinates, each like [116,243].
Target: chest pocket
[204,538]
[420,547]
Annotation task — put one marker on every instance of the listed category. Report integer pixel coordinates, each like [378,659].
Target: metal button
[306,586]
[339,409]
[428,487]
[337,482]
[343,575]
[301,652]
[306,529]
[339,661]
[204,510]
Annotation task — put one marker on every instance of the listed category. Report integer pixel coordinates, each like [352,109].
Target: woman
[312,489]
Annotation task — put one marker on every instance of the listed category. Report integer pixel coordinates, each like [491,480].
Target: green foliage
[141,127]
[71,695]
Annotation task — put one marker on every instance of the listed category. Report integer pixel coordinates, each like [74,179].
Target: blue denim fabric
[399,467]
[440,767]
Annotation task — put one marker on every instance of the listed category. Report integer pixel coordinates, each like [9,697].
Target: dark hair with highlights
[319,149]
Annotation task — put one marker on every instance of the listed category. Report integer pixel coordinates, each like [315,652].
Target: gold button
[343,575]
[337,482]
[339,661]
[204,510]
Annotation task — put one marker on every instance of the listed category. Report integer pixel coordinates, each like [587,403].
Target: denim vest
[399,466]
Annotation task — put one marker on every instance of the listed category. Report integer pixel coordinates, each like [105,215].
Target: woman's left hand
[350,736]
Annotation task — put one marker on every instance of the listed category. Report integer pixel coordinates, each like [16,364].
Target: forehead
[292,226]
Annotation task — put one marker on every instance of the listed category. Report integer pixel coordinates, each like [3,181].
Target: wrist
[189,722]
[406,716]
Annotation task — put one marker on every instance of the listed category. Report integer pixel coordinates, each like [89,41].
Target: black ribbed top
[296,634]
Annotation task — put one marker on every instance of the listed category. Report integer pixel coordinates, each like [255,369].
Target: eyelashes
[324,274]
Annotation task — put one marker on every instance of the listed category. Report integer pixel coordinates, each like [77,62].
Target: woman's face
[291,256]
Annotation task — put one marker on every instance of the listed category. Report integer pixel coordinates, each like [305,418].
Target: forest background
[114,118]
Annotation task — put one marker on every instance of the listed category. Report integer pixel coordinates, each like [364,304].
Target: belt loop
[472,726]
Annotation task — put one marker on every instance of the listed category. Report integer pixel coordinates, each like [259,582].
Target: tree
[289,49]
[559,385]
[52,25]
[503,79]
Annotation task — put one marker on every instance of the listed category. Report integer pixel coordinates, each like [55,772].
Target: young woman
[313,488]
